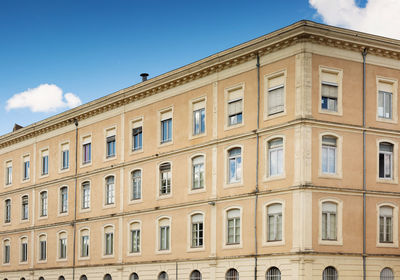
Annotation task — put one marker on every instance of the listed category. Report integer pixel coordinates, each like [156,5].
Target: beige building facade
[275,159]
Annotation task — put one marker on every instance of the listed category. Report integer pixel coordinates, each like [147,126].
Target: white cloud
[44,98]
[380,17]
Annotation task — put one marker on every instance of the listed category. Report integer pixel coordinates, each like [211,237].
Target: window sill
[43,217]
[274,178]
[329,112]
[387,181]
[108,256]
[385,120]
[62,260]
[196,136]
[41,176]
[330,176]
[232,246]
[84,210]
[330,242]
[195,249]
[63,214]
[388,245]
[196,191]
[136,254]
[233,185]
[233,126]
[274,243]
[111,205]
[163,252]
[135,201]
[166,143]
[137,151]
[275,115]
[163,196]
[84,258]
[63,170]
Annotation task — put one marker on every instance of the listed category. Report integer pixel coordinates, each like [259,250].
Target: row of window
[330,230]
[273,273]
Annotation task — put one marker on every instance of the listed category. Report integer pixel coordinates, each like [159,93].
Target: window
[163,276]
[110,143]
[43,204]
[166,126]
[107,277]
[134,276]
[387,274]
[9,173]
[329,221]
[65,156]
[136,184]
[276,94]
[197,230]
[7,211]
[109,241]
[386,224]
[24,249]
[384,104]
[235,165]
[64,200]
[62,241]
[164,235]
[165,178]
[199,116]
[85,195]
[329,91]
[195,275]
[25,208]
[87,150]
[137,135]
[330,273]
[45,162]
[85,243]
[61,278]
[6,256]
[135,238]
[235,106]
[329,144]
[385,160]
[198,172]
[83,277]
[232,274]
[110,189]
[233,226]
[386,99]
[275,157]
[42,248]
[26,168]
[273,273]
[274,222]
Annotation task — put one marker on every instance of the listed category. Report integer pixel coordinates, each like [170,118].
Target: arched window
[42,247]
[233,226]
[164,232]
[83,277]
[43,203]
[198,172]
[195,275]
[61,278]
[330,273]
[385,224]
[41,278]
[385,160]
[273,273]
[235,165]
[197,230]
[136,184]
[165,178]
[7,251]
[62,245]
[329,144]
[25,207]
[110,188]
[24,249]
[22,278]
[163,276]
[85,195]
[275,157]
[85,243]
[329,221]
[7,210]
[63,199]
[134,276]
[135,237]
[387,274]
[274,222]
[108,240]
[232,274]
[107,277]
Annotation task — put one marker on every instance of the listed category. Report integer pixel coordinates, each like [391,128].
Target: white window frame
[193,103]
[136,123]
[339,73]
[240,87]
[239,183]
[225,244]
[43,206]
[168,110]
[137,200]
[394,179]
[22,208]
[81,231]
[21,241]
[43,153]
[267,176]
[381,84]
[158,185]
[8,176]
[158,230]
[395,225]
[190,174]
[265,241]
[189,247]
[267,80]
[134,225]
[108,229]
[112,202]
[59,235]
[64,146]
[339,221]
[110,132]
[6,242]
[338,157]
[81,208]
[5,221]
[86,139]
[26,158]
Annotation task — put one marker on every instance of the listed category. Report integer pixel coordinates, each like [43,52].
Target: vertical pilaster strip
[303,85]
[122,136]
[120,227]
[302,220]
[215,110]
[302,154]
[213,228]
[214,173]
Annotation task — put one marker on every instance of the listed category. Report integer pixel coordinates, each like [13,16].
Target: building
[275,159]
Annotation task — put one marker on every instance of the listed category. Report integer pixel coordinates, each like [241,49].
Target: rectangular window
[43,204]
[87,150]
[276,95]
[64,199]
[137,135]
[385,104]
[329,91]
[199,116]
[109,243]
[135,241]
[233,227]
[110,188]
[24,252]
[166,126]
[235,165]
[197,231]
[275,155]
[198,172]
[85,195]
[329,223]
[329,145]
[136,184]
[65,156]
[85,246]
[275,222]
[385,160]
[42,248]
[235,106]
[63,248]
[7,211]
[6,252]
[165,178]
[164,238]
[9,173]
[26,168]
[45,162]
[110,143]
[25,207]
[385,224]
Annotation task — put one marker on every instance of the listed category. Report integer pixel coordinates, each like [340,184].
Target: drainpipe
[364,55]
[75,197]
[257,165]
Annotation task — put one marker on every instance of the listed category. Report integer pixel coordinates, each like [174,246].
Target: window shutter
[275,100]
[235,107]
[329,90]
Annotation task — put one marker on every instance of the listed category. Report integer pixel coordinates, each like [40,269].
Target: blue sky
[93,48]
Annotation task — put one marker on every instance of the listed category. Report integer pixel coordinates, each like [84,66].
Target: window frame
[43,207]
[83,197]
[26,171]
[203,106]
[170,140]
[267,79]
[395,225]
[339,221]
[8,173]
[61,210]
[132,226]
[191,173]
[109,191]
[265,239]
[6,253]
[190,248]
[135,124]
[81,234]
[159,179]
[338,156]
[60,234]
[62,150]
[7,211]
[131,191]
[24,208]
[240,87]
[22,252]
[105,232]
[44,153]
[394,179]
[339,74]
[380,80]
[158,235]
[227,183]
[267,176]
[226,244]
[86,140]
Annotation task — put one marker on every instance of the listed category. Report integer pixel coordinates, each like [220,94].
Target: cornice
[299,32]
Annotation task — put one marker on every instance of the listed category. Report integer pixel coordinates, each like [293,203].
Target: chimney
[144,76]
[16,127]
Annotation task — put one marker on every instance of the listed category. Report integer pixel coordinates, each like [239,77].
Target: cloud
[44,98]
[380,17]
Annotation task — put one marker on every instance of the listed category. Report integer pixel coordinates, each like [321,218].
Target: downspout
[257,165]
[364,55]
[75,197]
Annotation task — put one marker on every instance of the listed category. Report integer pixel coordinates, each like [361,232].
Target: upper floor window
[276,94]
[166,126]
[164,238]
[26,168]
[110,190]
[84,243]
[63,199]
[198,172]
[107,277]
[385,160]
[7,211]
[235,165]
[85,195]
[197,230]
[134,276]
[62,241]
[386,99]
[8,173]
[43,203]
[65,156]
[24,249]
[110,143]
[25,208]
[384,104]
[329,144]
[7,251]
[137,135]
[87,150]
[273,273]
[329,221]
[232,274]
[233,226]
[42,248]
[135,238]
[45,162]
[274,222]
[163,276]
[195,275]
[165,178]
[275,157]
[385,224]
[329,273]
[329,91]
[136,184]
[235,106]
[108,240]
[199,116]
[386,274]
